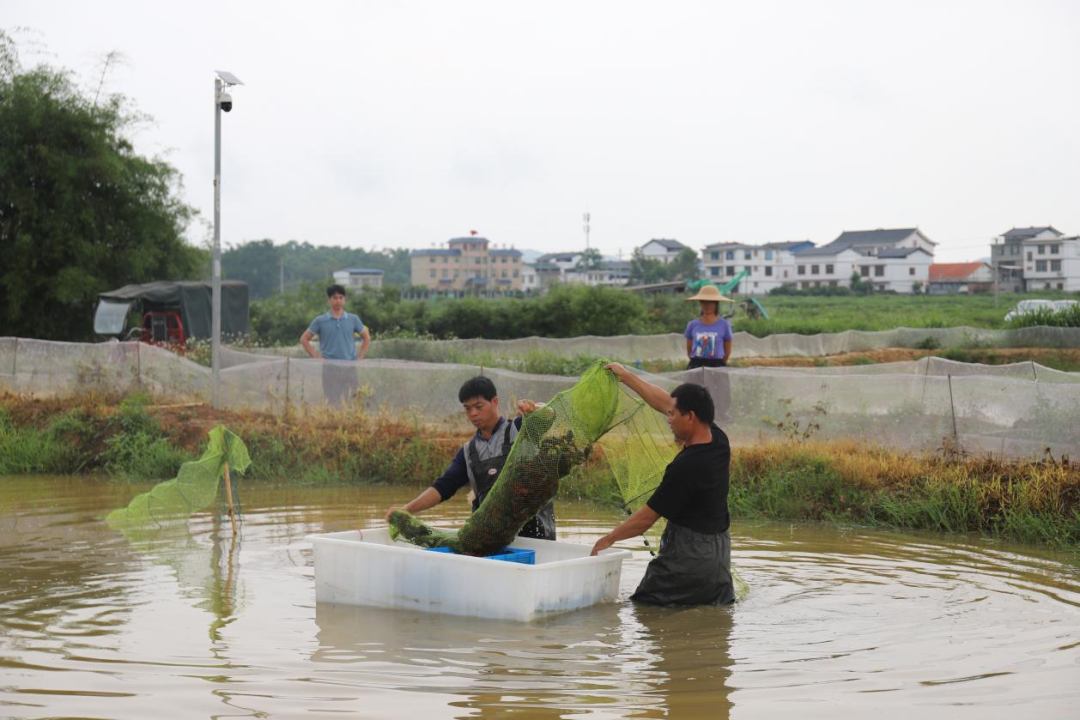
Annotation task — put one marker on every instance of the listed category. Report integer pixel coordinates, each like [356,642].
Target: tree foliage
[261,263]
[80,211]
[645,270]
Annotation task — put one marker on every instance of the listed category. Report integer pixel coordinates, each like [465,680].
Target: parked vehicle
[171,313]
[1027,307]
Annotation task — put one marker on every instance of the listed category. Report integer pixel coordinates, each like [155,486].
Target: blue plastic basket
[507,554]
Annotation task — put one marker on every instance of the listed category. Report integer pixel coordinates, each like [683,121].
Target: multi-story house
[767,266]
[1007,255]
[663,250]
[466,266]
[359,278]
[892,260]
[1051,263]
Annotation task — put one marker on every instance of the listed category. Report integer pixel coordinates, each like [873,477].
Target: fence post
[286,417]
[15,367]
[952,408]
[1034,372]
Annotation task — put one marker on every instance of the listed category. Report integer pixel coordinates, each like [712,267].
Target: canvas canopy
[190,298]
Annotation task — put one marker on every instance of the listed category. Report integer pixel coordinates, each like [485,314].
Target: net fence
[1016,410]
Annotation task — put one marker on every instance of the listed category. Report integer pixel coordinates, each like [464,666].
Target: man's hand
[390,512]
[602,544]
[617,368]
[526,406]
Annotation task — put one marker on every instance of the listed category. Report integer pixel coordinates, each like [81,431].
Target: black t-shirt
[694,490]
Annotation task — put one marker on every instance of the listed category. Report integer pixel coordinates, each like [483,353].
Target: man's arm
[656,397]
[305,340]
[365,340]
[455,477]
[427,499]
[633,526]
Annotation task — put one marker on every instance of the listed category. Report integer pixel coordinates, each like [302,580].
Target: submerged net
[552,441]
[194,488]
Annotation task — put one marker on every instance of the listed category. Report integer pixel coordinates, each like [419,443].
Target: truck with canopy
[171,313]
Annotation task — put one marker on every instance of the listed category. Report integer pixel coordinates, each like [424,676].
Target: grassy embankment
[1032,501]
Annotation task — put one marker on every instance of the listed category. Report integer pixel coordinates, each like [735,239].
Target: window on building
[476,261]
[445,272]
[714,256]
[864,270]
[714,271]
[828,269]
[1055,265]
[785,273]
[1041,249]
[516,272]
[768,254]
[730,270]
[433,272]
[432,258]
[1029,256]
[834,283]
[879,271]
[911,271]
[746,255]
[1061,286]
[730,255]
[768,271]
[445,259]
[1054,249]
[802,270]
[814,269]
[1040,266]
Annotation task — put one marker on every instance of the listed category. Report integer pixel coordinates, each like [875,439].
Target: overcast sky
[402,124]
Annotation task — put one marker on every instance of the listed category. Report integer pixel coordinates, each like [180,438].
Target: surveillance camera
[225,99]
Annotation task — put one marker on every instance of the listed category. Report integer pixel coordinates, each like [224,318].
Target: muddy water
[839,624]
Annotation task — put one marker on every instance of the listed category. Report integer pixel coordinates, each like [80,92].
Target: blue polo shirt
[336,340]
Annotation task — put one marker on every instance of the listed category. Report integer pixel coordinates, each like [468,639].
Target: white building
[663,250]
[767,266]
[893,260]
[359,278]
[530,280]
[1051,263]
[1007,254]
[613,273]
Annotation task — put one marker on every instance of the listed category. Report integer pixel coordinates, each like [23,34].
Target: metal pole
[215,339]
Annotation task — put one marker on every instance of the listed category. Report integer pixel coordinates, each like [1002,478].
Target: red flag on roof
[472,232]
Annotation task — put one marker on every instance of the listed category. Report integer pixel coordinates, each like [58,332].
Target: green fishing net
[194,488]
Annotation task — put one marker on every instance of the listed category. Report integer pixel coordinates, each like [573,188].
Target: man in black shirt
[693,566]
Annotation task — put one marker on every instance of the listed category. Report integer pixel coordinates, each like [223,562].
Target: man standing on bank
[693,566]
[337,331]
[479,462]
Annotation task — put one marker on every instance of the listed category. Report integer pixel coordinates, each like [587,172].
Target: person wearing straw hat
[708,338]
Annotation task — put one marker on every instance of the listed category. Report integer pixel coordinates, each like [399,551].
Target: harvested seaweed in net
[552,441]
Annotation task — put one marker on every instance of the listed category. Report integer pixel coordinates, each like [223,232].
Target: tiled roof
[1030,232]
[504,251]
[954,271]
[667,244]
[440,251]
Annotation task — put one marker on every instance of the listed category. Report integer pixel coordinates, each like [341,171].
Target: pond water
[839,623]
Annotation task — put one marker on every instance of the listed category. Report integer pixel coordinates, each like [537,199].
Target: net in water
[194,488]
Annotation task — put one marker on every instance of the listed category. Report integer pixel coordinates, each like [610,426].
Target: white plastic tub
[368,568]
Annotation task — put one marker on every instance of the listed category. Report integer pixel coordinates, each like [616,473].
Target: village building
[467,266]
[765,266]
[895,260]
[959,278]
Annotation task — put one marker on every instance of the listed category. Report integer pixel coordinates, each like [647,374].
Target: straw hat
[710,293]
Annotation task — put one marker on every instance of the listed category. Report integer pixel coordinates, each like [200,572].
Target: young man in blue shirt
[337,331]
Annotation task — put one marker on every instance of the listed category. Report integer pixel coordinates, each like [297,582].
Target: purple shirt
[708,340]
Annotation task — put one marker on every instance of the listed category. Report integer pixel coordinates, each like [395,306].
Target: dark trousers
[692,568]
[339,382]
